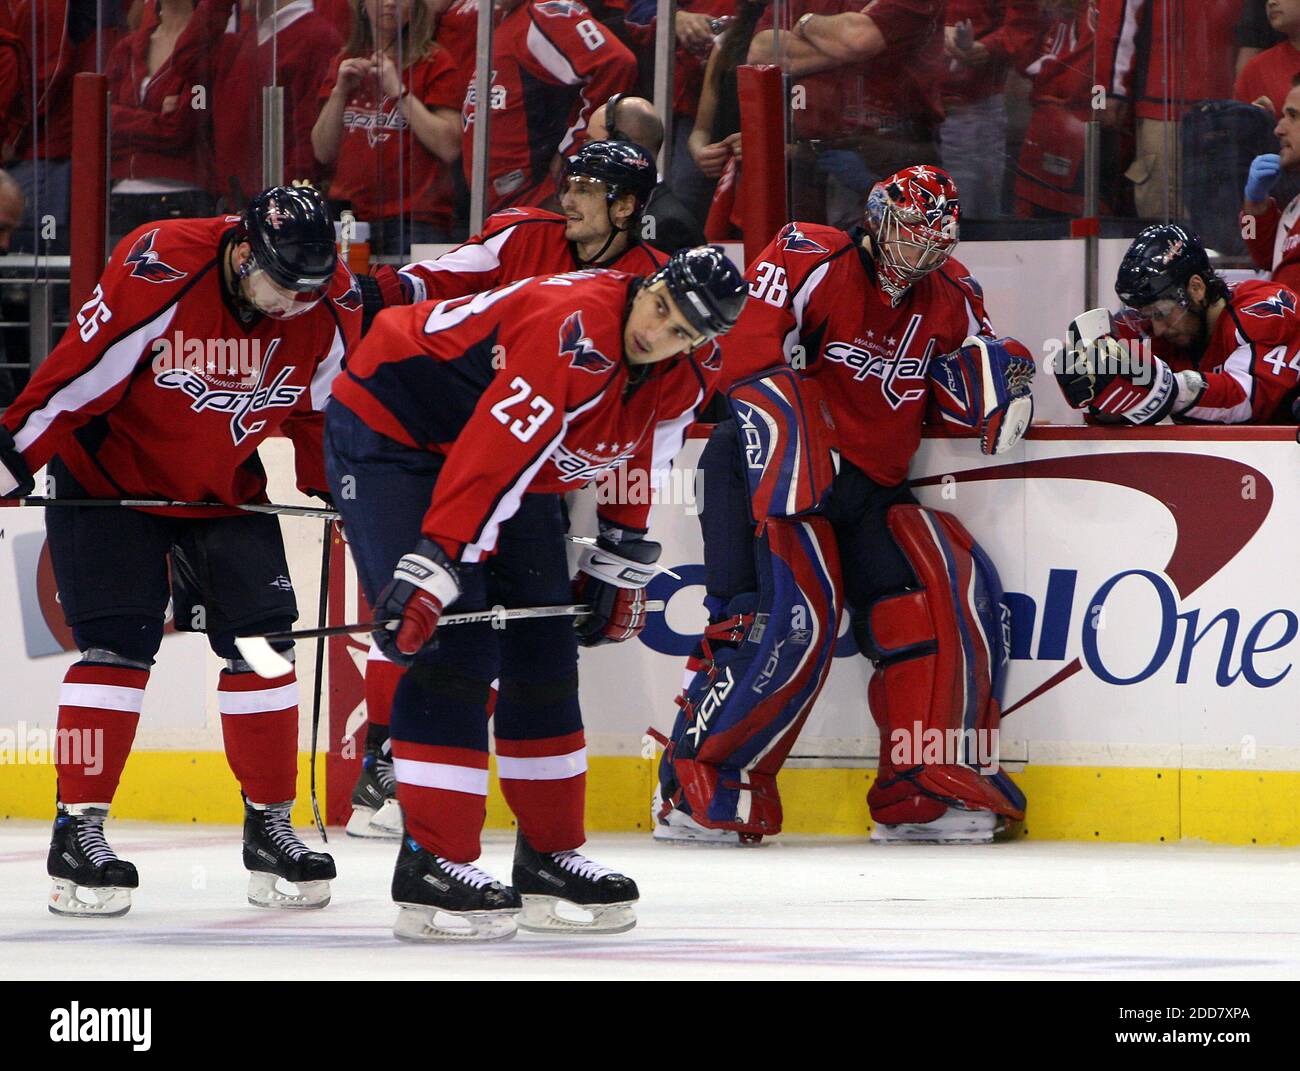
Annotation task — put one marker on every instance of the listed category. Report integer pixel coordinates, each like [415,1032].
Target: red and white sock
[99,709]
[443,793]
[382,677]
[259,723]
[545,783]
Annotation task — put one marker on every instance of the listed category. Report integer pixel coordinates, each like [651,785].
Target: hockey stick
[158,503]
[267,662]
[321,613]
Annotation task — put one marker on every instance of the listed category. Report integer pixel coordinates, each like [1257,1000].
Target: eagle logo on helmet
[795,241]
[575,345]
[1279,304]
[145,263]
[1174,250]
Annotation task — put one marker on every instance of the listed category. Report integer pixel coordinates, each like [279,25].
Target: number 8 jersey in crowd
[524,388]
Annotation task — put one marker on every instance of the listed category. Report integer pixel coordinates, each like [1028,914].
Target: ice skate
[439,900]
[955,826]
[273,853]
[675,826]
[81,862]
[564,892]
[375,810]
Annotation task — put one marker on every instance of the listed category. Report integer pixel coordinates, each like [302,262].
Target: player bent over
[605,189]
[454,433]
[1187,346]
[203,337]
[846,340]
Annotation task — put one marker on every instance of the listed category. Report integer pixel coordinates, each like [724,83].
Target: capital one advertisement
[1153,591]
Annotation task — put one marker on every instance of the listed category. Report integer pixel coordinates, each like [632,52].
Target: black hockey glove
[612,576]
[15,477]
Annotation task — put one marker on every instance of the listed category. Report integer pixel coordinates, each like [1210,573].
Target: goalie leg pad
[785,431]
[757,673]
[940,653]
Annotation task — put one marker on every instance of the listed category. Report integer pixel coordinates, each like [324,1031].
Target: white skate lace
[385,776]
[280,830]
[90,839]
[466,872]
[581,865]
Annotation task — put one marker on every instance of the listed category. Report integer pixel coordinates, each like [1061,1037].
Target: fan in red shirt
[202,338]
[1219,355]
[161,147]
[1266,78]
[454,433]
[388,132]
[552,64]
[1272,233]
[871,75]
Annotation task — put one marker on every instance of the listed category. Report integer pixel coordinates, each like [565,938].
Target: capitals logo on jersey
[1279,304]
[893,369]
[575,345]
[351,299]
[242,405]
[147,265]
[794,240]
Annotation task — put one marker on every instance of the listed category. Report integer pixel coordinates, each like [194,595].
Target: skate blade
[424,924]
[110,901]
[679,829]
[264,890]
[548,914]
[383,824]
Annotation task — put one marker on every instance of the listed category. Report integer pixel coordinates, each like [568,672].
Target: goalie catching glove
[424,584]
[612,576]
[985,388]
[1121,379]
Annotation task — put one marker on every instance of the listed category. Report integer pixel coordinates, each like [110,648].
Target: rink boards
[1153,595]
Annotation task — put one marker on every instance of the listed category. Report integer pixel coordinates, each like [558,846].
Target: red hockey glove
[424,584]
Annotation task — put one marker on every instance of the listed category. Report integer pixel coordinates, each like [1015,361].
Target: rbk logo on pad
[145,263]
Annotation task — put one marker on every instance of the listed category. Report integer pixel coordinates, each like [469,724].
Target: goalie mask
[913,219]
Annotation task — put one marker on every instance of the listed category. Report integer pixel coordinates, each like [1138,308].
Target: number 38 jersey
[159,389]
[815,305]
[524,389]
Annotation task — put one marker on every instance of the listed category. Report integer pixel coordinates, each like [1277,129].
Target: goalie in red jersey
[202,338]
[455,432]
[1187,346]
[848,338]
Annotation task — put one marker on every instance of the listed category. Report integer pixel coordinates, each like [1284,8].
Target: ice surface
[797,908]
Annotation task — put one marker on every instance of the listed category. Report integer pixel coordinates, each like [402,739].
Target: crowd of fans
[378,100]
[378,107]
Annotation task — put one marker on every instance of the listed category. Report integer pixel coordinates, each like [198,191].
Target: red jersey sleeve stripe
[327,371]
[476,257]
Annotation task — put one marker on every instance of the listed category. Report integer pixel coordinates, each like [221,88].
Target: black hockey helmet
[706,287]
[622,166]
[292,237]
[1159,264]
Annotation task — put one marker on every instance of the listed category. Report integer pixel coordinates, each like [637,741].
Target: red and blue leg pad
[940,654]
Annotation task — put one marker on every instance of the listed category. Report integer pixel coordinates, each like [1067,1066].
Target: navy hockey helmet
[292,238]
[1159,264]
[622,166]
[706,287]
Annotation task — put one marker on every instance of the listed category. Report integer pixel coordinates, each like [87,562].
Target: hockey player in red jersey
[847,340]
[202,338]
[607,184]
[552,63]
[455,431]
[1217,355]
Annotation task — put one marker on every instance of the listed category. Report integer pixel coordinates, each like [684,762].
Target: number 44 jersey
[524,389]
[814,304]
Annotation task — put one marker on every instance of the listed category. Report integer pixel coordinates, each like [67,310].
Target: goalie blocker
[791,532]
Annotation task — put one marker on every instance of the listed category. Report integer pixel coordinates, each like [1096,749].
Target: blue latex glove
[1265,170]
[848,168]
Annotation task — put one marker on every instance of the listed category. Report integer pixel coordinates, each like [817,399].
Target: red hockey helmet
[913,217]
